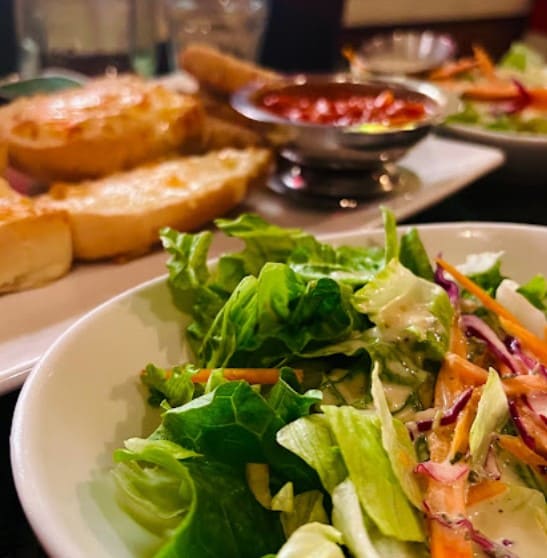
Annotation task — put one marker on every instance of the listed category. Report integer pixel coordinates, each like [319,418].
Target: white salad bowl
[84,398]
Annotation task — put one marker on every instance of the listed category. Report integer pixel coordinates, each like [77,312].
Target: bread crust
[110,124]
[221,72]
[121,215]
[35,243]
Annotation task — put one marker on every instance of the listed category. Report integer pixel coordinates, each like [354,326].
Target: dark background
[7,38]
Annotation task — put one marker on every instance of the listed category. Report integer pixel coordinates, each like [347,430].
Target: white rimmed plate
[525,153]
[84,398]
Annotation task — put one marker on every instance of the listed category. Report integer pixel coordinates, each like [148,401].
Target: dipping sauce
[344,105]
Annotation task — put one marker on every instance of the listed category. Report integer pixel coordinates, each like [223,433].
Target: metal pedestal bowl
[353,157]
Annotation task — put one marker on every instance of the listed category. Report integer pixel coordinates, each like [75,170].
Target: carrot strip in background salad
[484,62]
[520,450]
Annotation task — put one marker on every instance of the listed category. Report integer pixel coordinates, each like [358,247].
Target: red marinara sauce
[341,104]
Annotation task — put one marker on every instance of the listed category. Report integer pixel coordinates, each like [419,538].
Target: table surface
[492,198]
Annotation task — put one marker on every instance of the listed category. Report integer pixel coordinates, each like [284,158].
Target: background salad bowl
[84,397]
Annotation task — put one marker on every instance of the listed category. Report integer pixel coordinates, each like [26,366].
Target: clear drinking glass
[233,26]
[87,36]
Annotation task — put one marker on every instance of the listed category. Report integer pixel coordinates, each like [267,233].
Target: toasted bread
[220,72]
[218,134]
[121,215]
[3,156]
[110,124]
[35,244]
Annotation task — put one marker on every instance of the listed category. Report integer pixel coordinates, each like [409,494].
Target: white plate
[83,399]
[524,153]
[35,318]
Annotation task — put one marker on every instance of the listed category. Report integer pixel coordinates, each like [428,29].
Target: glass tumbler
[233,26]
[87,36]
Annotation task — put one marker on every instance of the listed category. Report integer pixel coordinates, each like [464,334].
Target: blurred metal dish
[353,146]
[403,53]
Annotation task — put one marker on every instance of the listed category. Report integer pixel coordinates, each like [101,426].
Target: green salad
[513,99]
[344,401]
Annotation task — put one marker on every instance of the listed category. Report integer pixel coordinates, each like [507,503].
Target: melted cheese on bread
[123,213]
[35,243]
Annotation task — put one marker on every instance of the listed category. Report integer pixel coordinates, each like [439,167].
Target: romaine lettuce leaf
[163,482]
[276,316]
[413,256]
[358,434]
[174,386]
[236,425]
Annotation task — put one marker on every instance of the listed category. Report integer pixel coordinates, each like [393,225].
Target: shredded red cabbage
[527,438]
[537,402]
[449,286]
[445,471]
[448,417]
[491,465]
[530,363]
[520,102]
[478,328]
[489,547]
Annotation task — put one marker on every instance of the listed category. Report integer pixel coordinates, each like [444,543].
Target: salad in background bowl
[503,105]
[358,395]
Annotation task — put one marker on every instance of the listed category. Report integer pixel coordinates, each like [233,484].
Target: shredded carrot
[484,491]
[474,289]
[263,376]
[539,96]
[527,338]
[458,342]
[470,373]
[485,63]
[520,450]
[452,69]
[460,439]
[447,541]
[524,384]
[491,91]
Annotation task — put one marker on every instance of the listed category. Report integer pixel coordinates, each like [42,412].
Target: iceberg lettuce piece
[518,517]
[397,443]
[348,518]
[522,58]
[307,508]
[492,414]
[312,440]
[313,540]
[412,317]
[361,535]
[358,434]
